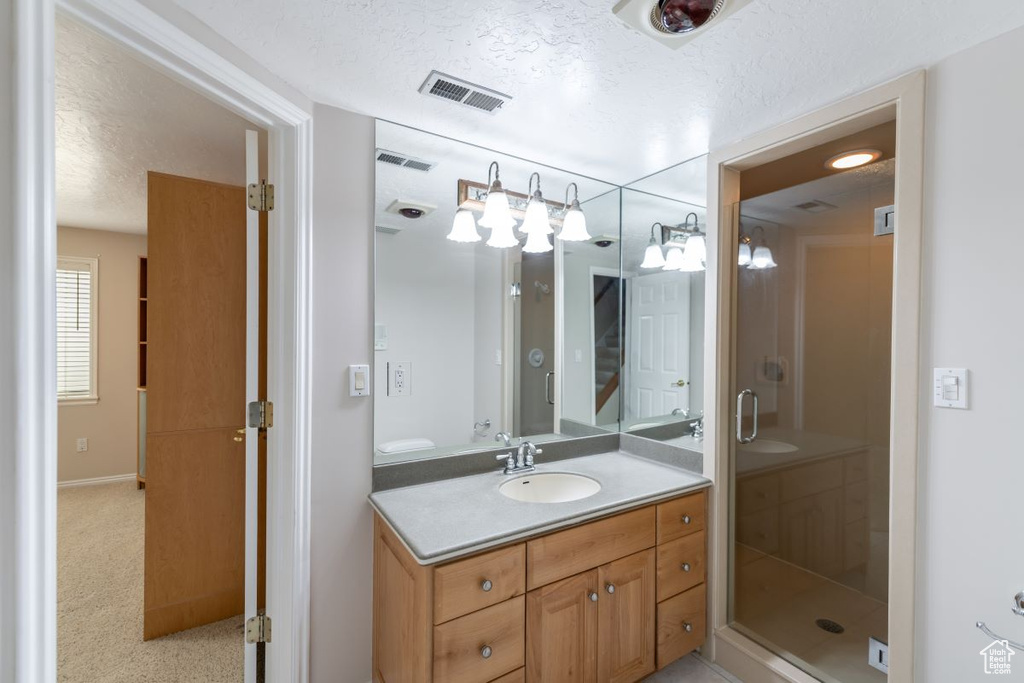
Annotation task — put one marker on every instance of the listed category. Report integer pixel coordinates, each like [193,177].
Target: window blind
[75,329]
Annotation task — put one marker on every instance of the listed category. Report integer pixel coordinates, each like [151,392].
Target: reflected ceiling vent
[385,156]
[385,230]
[816,206]
[674,23]
[463,92]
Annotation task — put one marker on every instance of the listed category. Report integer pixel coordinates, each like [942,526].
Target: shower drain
[830,626]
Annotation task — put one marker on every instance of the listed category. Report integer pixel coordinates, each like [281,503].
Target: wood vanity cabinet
[608,601]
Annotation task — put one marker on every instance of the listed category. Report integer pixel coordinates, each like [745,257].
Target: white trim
[903,99]
[73,483]
[28,404]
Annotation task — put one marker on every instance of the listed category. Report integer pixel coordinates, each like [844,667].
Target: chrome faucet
[520,460]
[504,436]
[697,428]
[681,411]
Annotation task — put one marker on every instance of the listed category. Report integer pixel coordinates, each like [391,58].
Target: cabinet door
[811,532]
[626,618]
[561,631]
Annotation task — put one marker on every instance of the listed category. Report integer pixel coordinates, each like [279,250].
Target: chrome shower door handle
[548,392]
[739,417]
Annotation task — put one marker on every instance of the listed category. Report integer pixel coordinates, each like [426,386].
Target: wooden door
[626,619]
[561,631]
[195,484]
[659,353]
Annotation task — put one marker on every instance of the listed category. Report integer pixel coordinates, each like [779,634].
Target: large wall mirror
[492,322]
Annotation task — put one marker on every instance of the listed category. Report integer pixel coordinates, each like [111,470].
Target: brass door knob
[239,436]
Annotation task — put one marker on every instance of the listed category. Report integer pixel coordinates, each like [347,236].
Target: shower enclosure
[810,461]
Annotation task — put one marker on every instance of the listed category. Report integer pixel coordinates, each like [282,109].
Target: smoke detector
[410,209]
[675,23]
[463,92]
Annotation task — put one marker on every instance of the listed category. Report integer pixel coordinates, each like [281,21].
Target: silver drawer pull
[686,519]
[486,586]
[485,652]
[688,627]
[593,596]
[610,588]
[686,566]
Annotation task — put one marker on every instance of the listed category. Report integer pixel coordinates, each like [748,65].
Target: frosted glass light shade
[497,213]
[536,218]
[502,237]
[674,259]
[574,225]
[464,227]
[695,245]
[537,243]
[762,259]
[745,256]
[653,256]
[691,262]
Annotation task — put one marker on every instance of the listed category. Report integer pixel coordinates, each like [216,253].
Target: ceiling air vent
[385,230]
[463,92]
[816,206]
[404,160]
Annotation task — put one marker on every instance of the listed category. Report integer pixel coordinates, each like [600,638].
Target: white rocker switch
[950,388]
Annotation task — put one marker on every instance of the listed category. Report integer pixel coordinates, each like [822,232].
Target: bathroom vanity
[608,588]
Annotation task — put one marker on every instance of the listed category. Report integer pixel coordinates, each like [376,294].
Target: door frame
[904,100]
[28,419]
[603,271]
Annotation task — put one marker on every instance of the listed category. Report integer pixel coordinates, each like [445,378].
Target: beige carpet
[99,600]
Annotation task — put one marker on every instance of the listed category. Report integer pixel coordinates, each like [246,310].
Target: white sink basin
[553,487]
[769,446]
[643,425]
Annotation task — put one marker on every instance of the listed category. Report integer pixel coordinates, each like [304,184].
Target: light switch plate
[359,380]
[949,388]
[878,654]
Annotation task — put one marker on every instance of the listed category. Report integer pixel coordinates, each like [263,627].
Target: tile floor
[692,669]
[779,603]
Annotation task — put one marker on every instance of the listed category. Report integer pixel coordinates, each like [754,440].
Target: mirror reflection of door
[536,350]
[659,350]
[608,348]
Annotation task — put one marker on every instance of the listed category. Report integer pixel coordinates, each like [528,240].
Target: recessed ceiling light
[858,157]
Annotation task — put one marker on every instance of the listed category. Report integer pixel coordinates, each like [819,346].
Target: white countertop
[810,446]
[443,520]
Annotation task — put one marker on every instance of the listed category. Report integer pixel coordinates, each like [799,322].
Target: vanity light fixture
[762,258]
[537,219]
[674,258]
[745,253]
[653,256]
[574,223]
[537,243]
[464,227]
[497,213]
[696,252]
[858,157]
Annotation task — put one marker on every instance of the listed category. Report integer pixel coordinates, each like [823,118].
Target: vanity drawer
[674,615]
[682,517]
[517,676]
[807,480]
[756,493]
[477,582]
[482,646]
[855,499]
[681,565]
[759,530]
[855,468]
[576,550]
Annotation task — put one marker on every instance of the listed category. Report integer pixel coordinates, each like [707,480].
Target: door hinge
[261,415]
[257,629]
[261,196]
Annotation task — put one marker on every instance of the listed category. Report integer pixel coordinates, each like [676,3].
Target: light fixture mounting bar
[472,194]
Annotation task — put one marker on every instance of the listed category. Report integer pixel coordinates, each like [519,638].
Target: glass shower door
[809,462]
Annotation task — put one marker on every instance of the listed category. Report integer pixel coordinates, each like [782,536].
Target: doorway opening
[153,263]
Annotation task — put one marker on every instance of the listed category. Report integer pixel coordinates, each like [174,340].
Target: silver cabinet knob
[686,519]
[486,651]
[686,566]
[593,596]
[486,586]
[688,627]
[610,588]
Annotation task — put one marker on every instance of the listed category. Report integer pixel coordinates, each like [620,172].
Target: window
[76,329]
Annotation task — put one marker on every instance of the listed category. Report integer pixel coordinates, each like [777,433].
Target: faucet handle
[508,458]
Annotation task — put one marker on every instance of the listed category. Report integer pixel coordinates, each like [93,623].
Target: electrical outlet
[400,378]
[82,445]
[878,655]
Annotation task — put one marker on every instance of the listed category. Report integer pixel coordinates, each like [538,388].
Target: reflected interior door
[196,478]
[659,352]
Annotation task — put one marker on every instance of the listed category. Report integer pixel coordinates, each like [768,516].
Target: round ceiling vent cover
[675,17]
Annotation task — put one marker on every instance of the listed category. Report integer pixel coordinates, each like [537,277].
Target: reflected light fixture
[695,252]
[464,227]
[574,223]
[674,259]
[537,219]
[745,253]
[858,157]
[653,256]
[762,258]
[497,213]
[537,243]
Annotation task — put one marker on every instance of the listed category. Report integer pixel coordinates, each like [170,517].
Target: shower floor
[778,605]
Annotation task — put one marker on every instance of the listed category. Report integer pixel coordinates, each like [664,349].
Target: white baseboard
[96,480]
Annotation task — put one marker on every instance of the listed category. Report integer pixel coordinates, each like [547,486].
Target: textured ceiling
[590,94]
[117,119]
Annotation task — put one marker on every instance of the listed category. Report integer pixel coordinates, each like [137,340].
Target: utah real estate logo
[997,657]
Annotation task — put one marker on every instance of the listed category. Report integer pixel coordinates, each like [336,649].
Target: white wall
[970,556]
[341,544]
